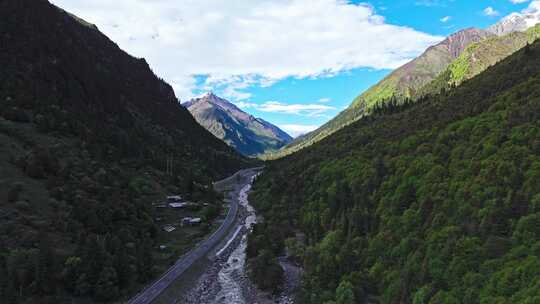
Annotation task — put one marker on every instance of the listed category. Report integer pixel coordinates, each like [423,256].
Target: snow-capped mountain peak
[516,22]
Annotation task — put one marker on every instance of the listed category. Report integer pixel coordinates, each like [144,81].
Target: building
[168,228]
[191,221]
[174,198]
[195,221]
[160,205]
[178,205]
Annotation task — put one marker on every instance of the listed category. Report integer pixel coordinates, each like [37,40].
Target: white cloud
[297,130]
[518,1]
[253,42]
[534,8]
[491,12]
[324,100]
[446,19]
[183,86]
[309,110]
[312,110]
[531,15]
[245,105]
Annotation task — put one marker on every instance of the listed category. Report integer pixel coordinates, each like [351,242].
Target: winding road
[234,184]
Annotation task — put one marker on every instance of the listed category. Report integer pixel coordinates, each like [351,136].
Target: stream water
[225,281]
[230,276]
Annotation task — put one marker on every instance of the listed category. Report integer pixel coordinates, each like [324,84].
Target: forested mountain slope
[249,135]
[404,82]
[461,56]
[85,134]
[434,202]
[477,57]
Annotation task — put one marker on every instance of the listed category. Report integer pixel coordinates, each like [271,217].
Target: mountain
[477,57]
[405,81]
[249,135]
[402,83]
[457,58]
[429,202]
[90,137]
[515,22]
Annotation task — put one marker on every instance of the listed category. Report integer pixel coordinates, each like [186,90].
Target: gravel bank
[225,280]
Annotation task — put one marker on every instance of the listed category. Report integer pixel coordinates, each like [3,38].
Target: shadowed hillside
[89,137]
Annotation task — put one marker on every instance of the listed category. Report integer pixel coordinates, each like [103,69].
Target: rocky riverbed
[225,280]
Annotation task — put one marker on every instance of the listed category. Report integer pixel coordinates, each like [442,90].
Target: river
[225,281]
[231,275]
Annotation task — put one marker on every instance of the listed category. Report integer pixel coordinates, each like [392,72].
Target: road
[233,183]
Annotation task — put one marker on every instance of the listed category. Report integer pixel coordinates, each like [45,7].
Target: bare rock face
[249,135]
[457,42]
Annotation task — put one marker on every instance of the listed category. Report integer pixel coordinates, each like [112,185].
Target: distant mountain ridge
[459,57]
[249,135]
[480,56]
[404,82]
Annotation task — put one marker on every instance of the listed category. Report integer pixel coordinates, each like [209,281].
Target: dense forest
[433,202]
[89,136]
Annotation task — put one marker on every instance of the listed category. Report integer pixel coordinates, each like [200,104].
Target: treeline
[433,202]
[102,269]
[265,243]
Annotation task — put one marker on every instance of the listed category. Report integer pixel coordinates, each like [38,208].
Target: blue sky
[295,63]
[338,91]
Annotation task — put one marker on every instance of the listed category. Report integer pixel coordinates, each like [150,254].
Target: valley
[423,189]
[209,250]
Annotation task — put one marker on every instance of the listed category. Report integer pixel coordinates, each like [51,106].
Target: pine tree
[106,287]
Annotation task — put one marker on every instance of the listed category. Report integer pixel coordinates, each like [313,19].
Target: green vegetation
[434,202]
[264,244]
[89,139]
[460,67]
[385,90]
[479,56]
[406,82]
[430,73]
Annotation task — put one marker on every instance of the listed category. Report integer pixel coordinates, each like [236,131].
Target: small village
[182,222]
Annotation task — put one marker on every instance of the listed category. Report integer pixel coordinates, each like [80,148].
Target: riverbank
[225,279]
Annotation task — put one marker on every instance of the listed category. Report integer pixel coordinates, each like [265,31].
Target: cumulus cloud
[534,8]
[519,1]
[249,42]
[531,14]
[491,12]
[297,130]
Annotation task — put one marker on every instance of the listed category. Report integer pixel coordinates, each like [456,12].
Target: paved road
[237,181]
